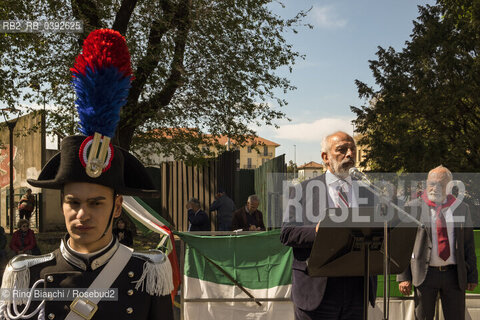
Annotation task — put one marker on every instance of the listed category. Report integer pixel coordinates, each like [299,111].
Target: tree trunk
[135,113]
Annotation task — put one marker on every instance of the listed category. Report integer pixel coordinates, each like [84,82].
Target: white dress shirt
[333,182]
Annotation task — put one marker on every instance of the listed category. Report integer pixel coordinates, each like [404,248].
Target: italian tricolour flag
[221,269]
[147,219]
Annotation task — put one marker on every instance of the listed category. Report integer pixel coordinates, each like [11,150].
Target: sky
[345,36]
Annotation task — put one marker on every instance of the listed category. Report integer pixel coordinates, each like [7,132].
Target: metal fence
[268,183]
[35,217]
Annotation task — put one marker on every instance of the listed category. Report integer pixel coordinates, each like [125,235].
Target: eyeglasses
[24,226]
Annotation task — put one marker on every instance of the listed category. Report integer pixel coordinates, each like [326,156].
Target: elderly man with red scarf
[443,258]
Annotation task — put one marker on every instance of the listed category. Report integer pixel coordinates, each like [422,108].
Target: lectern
[352,248]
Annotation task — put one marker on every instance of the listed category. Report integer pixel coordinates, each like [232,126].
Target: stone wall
[29,157]
[27,161]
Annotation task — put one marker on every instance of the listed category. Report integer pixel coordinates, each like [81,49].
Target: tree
[426,111]
[291,167]
[202,64]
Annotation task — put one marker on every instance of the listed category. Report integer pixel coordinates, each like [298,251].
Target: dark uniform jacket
[63,268]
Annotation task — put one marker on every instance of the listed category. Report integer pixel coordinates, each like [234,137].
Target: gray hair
[194,201]
[327,143]
[253,198]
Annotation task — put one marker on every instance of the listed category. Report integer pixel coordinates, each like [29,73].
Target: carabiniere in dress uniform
[111,281]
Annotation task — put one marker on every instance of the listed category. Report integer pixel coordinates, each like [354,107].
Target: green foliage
[208,65]
[426,111]
[291,167]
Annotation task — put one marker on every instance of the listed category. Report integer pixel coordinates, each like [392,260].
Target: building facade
[253,154]
[310,170]
[29,156]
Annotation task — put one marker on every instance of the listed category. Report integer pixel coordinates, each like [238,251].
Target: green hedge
[394,292]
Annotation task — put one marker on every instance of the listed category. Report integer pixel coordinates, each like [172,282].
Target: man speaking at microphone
[321,297]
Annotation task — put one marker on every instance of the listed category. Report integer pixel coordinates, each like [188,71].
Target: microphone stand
[379,192]
[385,201]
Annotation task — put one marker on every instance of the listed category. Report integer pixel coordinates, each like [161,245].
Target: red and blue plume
[101,78]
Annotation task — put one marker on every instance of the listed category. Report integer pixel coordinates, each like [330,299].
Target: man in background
[249,218]
[443,259]
[197,218]
[224,207]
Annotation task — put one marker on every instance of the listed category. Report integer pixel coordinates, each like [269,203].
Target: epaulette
[17,272]
[152,255]
[157,276]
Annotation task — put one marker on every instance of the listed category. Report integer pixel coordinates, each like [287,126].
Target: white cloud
[313,131]
[326,17]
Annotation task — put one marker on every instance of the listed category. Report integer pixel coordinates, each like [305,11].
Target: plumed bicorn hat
[101,78]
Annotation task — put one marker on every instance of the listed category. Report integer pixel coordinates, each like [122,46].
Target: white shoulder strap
[82,308]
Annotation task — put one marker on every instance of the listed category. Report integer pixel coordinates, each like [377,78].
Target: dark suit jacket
[225,208]
[239,220]
[464,248]
[308,292]
[199,221]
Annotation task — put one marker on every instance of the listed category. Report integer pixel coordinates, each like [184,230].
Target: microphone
[357,174]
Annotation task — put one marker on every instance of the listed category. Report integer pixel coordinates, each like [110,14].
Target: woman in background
[23,240]
[122,233]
